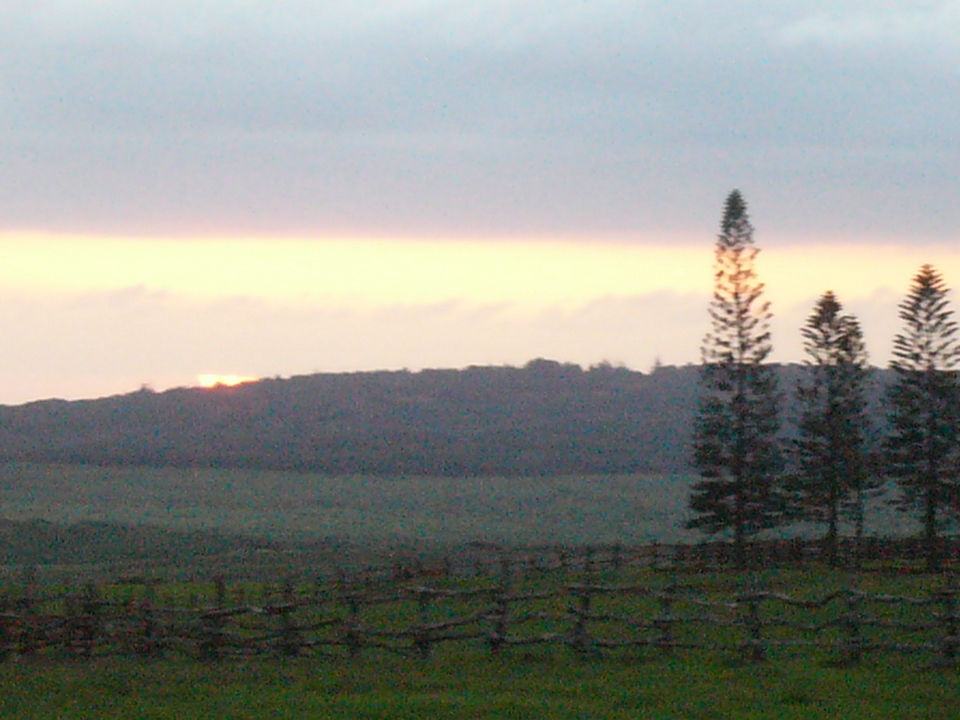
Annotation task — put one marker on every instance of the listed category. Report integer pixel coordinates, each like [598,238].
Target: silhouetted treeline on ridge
[545,418]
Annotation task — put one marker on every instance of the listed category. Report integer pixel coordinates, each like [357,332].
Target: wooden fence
[523,604]
[871,554]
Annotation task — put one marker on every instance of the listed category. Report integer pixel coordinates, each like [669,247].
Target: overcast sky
[590,124]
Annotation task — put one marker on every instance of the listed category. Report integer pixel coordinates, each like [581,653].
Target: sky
[275,188]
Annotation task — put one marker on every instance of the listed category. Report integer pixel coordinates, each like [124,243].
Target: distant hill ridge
[545,418]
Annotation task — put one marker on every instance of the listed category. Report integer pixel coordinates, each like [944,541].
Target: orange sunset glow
[212,380]
[88,315]
[369,273]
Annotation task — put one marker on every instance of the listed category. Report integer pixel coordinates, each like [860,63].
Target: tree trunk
[858,520]
[739,531]
[830,541]
[930,529]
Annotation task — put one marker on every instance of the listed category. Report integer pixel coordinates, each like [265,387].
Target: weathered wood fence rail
[659,615]
[880,554]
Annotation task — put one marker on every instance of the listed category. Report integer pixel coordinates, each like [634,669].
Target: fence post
[949,640]
[220,591]
[478,569]
[580,640]
[5,638]
[421,639]
[532,565]
[30,632]
[291,642]
[753,647]
[6,619]
[498,629]
[756,631]
[664,621]
[148,623]
[581,611]
[589,562]
[212,621]
[352,627]
[853,644]
[89,624]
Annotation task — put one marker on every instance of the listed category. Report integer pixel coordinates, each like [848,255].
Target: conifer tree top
[739,315]
[736,229]
[928,341]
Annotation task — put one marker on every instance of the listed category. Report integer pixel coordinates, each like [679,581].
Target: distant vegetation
[545,419]
[307,508]
[39,542]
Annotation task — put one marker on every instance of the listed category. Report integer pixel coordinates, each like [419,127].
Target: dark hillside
[546,418]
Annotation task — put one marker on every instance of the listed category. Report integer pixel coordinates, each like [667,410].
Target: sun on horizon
[212,380]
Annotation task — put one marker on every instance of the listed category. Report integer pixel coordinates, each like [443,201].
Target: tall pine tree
[831,449]
[735,447]
[924,403]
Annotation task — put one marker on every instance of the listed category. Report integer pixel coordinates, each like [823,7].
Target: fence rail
[524,602]
[867,554]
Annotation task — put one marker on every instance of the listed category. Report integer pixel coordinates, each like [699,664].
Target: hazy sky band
[362,272]
[262,188]
[85,316]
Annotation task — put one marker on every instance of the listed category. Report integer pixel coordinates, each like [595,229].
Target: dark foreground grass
[465,681]
[517,686]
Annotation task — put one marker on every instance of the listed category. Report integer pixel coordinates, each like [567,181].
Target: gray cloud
[440,117]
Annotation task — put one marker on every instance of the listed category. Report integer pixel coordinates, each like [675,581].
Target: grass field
[473,687]
[468,683]
[632,509]
[569,510]
[465,681]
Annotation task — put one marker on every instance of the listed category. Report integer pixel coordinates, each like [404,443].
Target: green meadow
[566,510]
[517,685]
[463,681]
[630,509]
